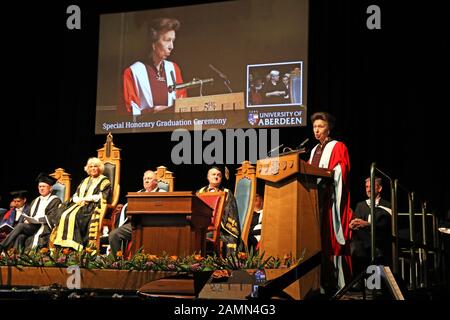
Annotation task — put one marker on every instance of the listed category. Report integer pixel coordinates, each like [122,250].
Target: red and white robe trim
[142,84]
[324,163]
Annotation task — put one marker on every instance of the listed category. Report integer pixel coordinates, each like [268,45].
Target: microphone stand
[270,153]
[223,76]
[226,83]
[194,83]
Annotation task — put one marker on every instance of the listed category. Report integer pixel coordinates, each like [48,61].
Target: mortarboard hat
[43,177]
[22,194]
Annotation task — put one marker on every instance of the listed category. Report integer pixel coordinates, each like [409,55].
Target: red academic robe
[137,89]
[335,228]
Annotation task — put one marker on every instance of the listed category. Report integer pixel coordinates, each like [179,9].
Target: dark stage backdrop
[387,88]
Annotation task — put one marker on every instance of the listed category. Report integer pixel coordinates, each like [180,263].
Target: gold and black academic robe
[78,225]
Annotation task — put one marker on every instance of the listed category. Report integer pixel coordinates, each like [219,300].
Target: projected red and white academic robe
[137,87]
[335,230]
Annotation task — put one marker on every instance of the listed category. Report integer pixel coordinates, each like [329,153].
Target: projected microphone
[302,144]
[191,84]
[223,76]
[220,73]
[172,75]
[269,154]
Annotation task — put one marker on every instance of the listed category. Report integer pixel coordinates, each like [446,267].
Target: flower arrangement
[141,261]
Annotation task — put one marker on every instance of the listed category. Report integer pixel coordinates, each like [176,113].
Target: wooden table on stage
[171,222]
[291,219]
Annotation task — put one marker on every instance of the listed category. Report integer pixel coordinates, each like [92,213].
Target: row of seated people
[225,232]
[77,219]
[74,222]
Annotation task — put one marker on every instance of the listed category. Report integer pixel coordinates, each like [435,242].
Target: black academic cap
[22,194]
[43,177]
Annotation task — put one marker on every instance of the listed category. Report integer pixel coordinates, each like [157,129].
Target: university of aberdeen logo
[253,117]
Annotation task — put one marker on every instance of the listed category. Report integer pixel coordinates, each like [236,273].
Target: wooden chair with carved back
[295,84]
[216,201]
[62,187]
[166,179]
[245,192]
[110,156]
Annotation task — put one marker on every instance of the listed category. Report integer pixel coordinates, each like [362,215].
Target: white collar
[45,197]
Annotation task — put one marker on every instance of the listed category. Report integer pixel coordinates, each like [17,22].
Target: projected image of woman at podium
[334,202]
[146,84]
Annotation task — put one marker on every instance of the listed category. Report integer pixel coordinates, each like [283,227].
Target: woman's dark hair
[325,116]
[161,25]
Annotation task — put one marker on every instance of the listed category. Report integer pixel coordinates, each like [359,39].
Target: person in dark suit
[13,216]
[274,90]
[35,231]
[361,234]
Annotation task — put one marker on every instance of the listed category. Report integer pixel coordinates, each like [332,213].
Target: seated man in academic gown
[230,231]
[14,216]
[35,229]
[361,227]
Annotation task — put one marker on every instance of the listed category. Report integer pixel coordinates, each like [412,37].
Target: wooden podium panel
[291,219]
[170,222]
[217,102]
[279,168]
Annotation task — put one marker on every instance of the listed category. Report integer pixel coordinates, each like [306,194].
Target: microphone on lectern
[269,154]
[302,144]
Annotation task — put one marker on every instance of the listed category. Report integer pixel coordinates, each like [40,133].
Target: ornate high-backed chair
[62,187]
[216,201]
[62,190]
[244,192]
[110,156]
[295,86]
[166,179]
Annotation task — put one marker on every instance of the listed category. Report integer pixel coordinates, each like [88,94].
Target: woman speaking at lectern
[146,85]
[334,202]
